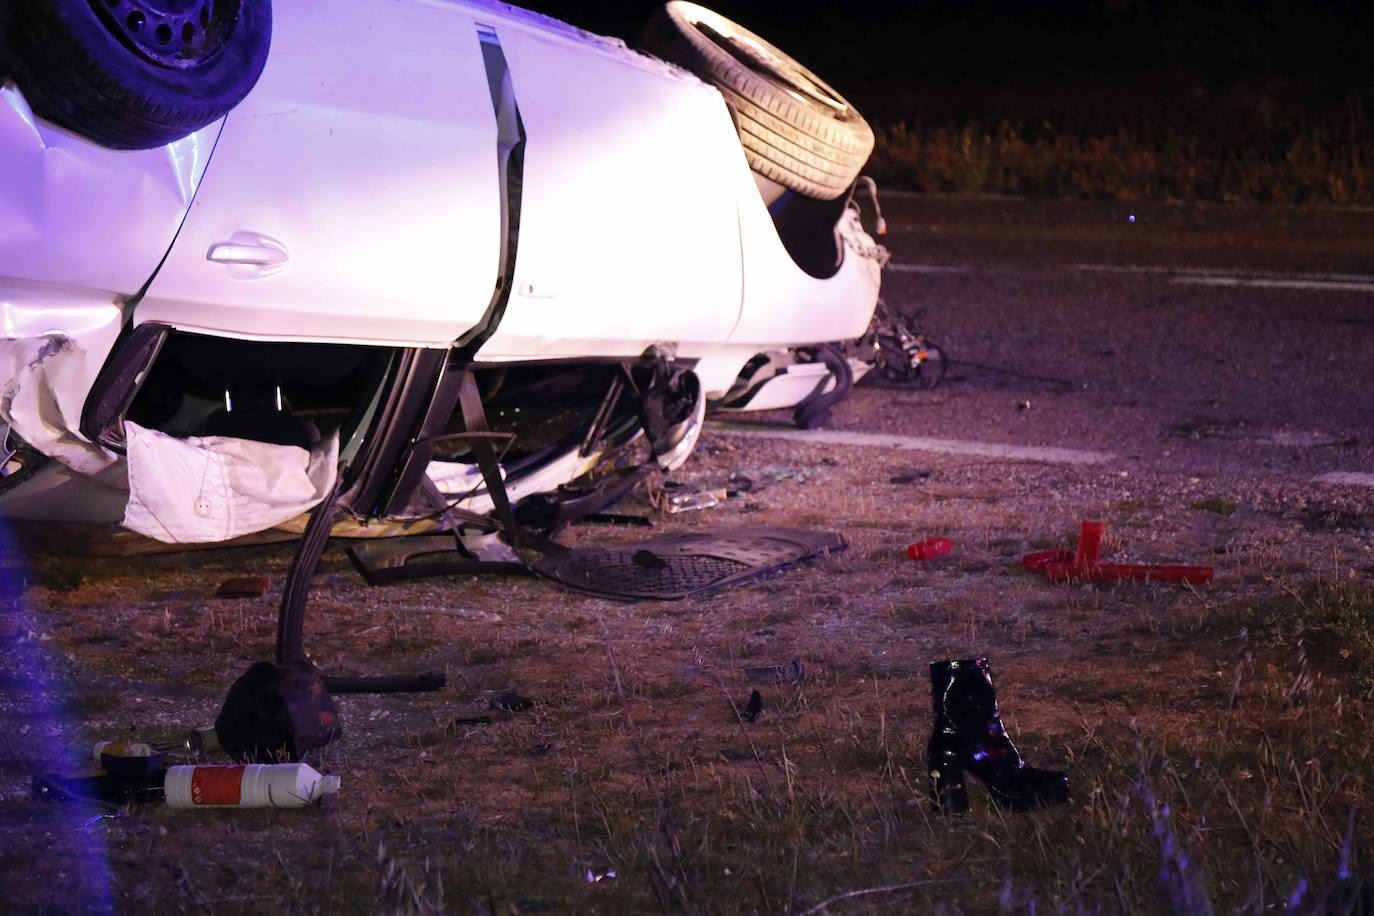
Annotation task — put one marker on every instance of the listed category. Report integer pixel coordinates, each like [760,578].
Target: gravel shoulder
[1243,704]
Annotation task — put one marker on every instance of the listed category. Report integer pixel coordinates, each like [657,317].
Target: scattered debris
[1217,504]
[120,749]
[615,518]
[1023,406]
[929,549]
[693,562]
[129,761]
[755,480]
[98,789]
[277,713]
[499,708]
[789,673]
[391,560]
[130,773]
[968,736]
[709,491]
[1240,430]
[738,484]
[200,741]
[257,785]
[1063,565]
[103,816]
[771,475]
[510,701]
[1208,427]
[244,587]
[596,877]
[647,559]
[682,500]
[469,719]
[1336,518]
[901,356]
[754,708]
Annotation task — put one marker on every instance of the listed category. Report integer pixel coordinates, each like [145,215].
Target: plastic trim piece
[118,383]
[510,157]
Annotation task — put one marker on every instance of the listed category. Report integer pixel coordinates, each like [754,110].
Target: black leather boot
[968,735]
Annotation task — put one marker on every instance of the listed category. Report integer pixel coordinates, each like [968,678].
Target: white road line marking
[1226,272]
[1266,283]
[1040,454]
[1354,478]
[1043,454]
[932,269]
[1203,276]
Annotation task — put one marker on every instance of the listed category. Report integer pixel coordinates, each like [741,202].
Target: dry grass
[1218,740]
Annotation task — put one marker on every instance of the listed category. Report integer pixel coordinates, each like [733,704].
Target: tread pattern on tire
[802,145]
[64,82]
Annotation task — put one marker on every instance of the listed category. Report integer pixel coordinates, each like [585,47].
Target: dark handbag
[277,713]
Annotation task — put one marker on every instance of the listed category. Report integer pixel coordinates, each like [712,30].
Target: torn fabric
[214,488]
[453,478]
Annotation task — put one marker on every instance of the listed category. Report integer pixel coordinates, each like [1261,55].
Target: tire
[796,130]
[128,76]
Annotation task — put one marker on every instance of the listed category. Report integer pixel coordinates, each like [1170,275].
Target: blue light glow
[36,706]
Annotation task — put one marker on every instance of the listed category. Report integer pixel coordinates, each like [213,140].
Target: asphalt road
[1196,339]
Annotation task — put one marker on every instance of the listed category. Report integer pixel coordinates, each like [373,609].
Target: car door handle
[249,254]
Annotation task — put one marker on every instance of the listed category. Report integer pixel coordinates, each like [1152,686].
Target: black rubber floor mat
[682,565]
[385,561]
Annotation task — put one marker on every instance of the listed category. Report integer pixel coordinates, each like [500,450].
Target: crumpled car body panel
[79,216]
[358,199]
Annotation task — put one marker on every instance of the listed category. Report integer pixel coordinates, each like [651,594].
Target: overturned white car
[245,268]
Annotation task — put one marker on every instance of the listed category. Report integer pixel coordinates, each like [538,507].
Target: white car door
[629,233]
[353,195]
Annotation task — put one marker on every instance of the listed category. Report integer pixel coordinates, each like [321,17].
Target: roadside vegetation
[1248,148]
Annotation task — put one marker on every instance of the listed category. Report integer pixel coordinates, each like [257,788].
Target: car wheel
[134,74]
[796,130]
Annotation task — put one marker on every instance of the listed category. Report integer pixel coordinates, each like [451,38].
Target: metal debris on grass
[690,500]
[789,673]
[500,707]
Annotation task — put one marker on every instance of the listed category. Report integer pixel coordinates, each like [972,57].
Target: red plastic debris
[1034,562]
[1062,565]
[244,587]
[1127,572]
[1089,543]
[929,549]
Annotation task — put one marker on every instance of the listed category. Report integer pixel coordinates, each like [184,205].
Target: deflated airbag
[214,488]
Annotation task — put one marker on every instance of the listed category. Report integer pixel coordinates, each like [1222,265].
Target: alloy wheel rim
[173,34]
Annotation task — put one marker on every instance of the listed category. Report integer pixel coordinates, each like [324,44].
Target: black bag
[277,713]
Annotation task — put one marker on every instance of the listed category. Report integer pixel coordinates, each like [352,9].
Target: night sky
[886,54]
